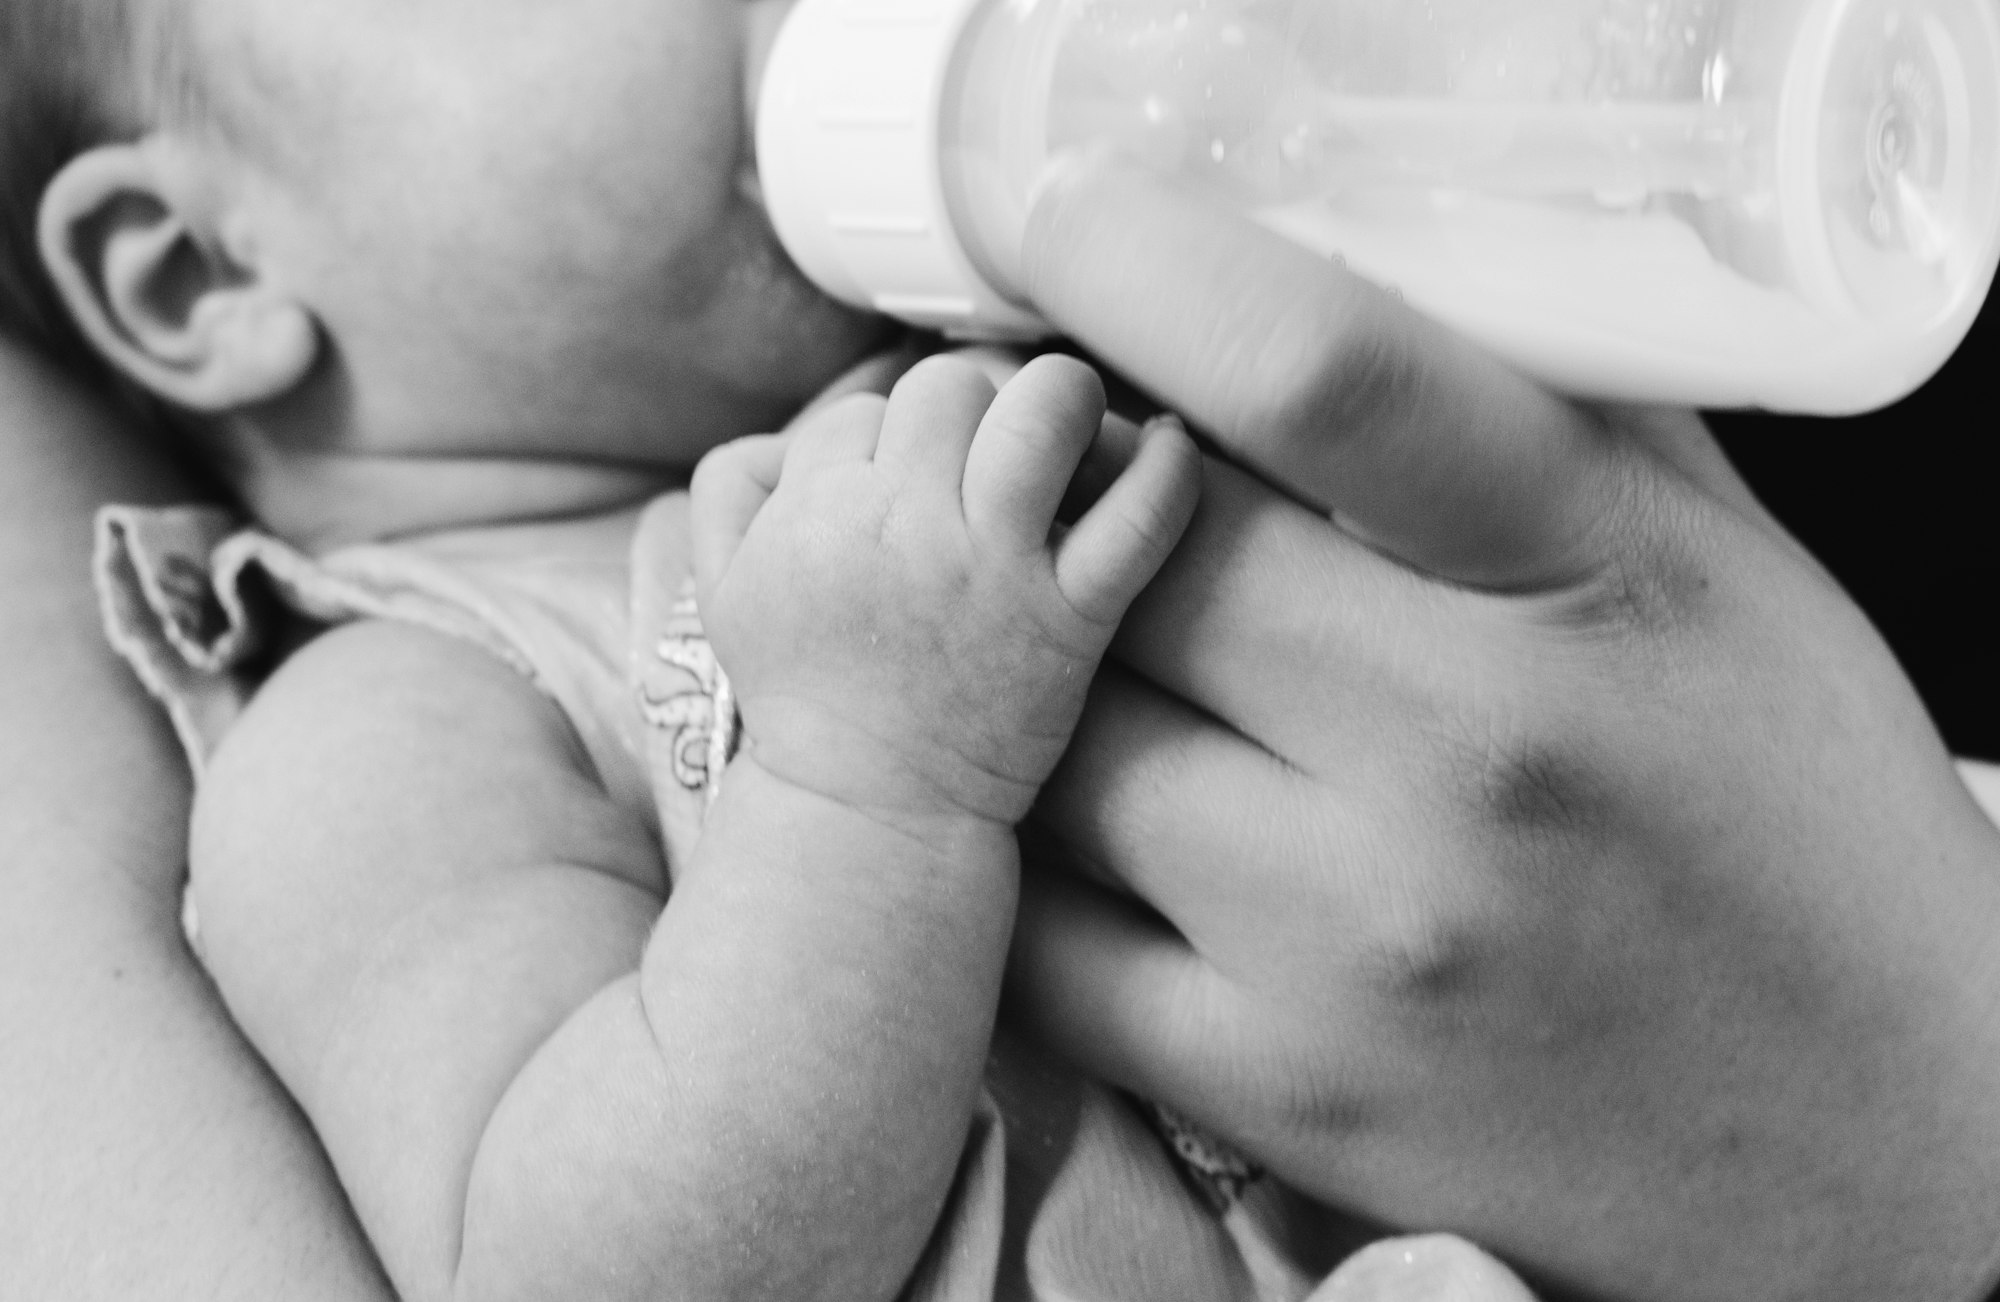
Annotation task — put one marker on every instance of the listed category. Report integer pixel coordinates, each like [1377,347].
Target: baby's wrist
[902,805]
[882,765]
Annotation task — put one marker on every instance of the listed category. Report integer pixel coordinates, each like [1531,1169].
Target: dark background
[1899,504]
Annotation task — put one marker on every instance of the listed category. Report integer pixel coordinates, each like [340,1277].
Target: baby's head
[391,233]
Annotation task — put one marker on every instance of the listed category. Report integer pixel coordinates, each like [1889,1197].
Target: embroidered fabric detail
[696,706]
[1216,1172]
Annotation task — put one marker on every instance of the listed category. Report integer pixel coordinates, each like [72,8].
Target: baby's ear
[162,298]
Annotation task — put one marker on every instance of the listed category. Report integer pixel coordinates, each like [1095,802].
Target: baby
[455,294]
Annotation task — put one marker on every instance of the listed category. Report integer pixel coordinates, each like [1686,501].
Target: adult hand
[1532,840]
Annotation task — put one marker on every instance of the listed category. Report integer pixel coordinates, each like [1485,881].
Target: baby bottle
[1792,204]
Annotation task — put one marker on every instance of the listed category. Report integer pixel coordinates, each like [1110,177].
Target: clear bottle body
[1792,204]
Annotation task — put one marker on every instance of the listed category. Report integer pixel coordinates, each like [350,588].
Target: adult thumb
[1329,388]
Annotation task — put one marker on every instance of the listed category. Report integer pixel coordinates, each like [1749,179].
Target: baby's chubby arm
[910,638]
[427,914]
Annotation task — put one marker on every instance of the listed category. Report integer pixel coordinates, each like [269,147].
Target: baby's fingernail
[1431,1268]
[1166,420]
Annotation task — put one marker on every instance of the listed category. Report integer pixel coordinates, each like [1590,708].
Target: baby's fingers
[840,433]
[730,486]
[1122,540]
[1027,450]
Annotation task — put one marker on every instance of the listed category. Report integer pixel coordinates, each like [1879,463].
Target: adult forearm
[144,1153]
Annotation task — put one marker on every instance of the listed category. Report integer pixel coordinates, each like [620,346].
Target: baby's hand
[908,629]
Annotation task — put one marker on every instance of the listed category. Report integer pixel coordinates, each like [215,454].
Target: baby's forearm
[780,1098]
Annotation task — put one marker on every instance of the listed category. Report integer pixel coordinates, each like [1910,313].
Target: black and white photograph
[999,651]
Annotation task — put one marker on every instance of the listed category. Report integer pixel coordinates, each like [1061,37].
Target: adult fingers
[1029,445]
[1425,1268]
[730,486]
[1277,622]
[1324,383]
[1114,989]
[1214,834]
[932,416]
[1127,534]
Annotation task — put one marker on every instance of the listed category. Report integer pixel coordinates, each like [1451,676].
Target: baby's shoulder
[362,738]
[388,705]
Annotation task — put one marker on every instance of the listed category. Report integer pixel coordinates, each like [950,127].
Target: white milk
[1792,204]
[1627,307]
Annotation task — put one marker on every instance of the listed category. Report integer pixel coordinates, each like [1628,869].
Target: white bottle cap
[848,154]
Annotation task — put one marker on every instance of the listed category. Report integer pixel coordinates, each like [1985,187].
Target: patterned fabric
[1066,1192]
[1218,1173]
[698,711]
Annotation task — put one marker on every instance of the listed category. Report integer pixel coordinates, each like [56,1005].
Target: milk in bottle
[1792,204]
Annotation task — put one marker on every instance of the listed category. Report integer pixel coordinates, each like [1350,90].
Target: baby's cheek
[752,319]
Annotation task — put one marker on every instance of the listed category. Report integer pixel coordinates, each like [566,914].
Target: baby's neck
[320,501]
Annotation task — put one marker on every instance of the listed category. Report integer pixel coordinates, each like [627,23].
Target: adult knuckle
[1428,962]
[1150,790]
[1500,875]
[1426,950]
[1440,957]
[1528,772]
[1536,786]
[1422,934]
[1517,783]
[1655,576]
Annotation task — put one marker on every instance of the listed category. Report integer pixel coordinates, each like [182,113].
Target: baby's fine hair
[60,62]
[74,74]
